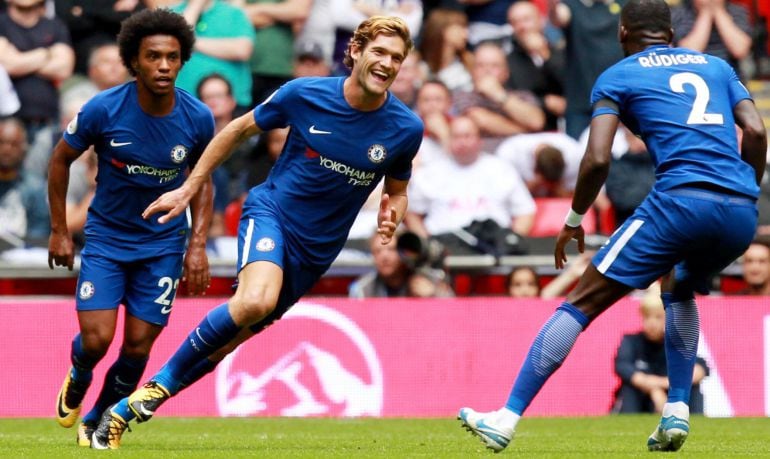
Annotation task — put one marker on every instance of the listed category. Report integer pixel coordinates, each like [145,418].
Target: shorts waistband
[714,196]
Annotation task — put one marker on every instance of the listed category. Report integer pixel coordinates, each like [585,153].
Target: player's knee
[251,306]
[96,342]
[136,349]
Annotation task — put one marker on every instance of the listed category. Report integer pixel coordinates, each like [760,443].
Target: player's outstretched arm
[754,143]
[61,250]
[175,202]
[196,263]
[594,168]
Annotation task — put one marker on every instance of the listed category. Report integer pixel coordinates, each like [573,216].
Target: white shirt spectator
[9,101]
[519,151]
[452,196]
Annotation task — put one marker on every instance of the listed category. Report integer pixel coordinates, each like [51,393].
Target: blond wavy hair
[369,29]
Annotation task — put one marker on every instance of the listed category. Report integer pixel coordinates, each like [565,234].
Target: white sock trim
[508,417]
[678,409]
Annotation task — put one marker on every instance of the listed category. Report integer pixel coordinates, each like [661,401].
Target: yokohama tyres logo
[325,365]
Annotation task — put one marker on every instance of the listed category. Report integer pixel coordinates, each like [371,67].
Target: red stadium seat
[549,217]
[232,217]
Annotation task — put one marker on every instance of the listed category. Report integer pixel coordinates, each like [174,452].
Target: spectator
[23,203]
[547,162]
[215,91]
[640,364]
[717,27]
[36,53]
[444,49]
[469,186]
[264,156]
[393,277]
[561,284]
[319,27]
[523,282]
[498,112]
[756,269]
[409,80]
[534,64]
[272,59]
[630,178]
[9,101]
[105,71]
[486,20]
[92,23]
[434,101]
[105,68]
[224,41]
[590,32]
[310,60]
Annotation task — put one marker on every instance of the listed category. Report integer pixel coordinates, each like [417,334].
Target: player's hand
[173,203]
[196,270]
[61,251]
[566,234]
[386,219]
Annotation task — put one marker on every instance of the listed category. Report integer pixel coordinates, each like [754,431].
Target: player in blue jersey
[146,135]
[346,135]
[700,215]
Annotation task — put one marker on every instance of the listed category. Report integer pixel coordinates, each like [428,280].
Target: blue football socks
[82,363]
[121,379]
[214,331]
[682,329]
[200,369]
[547,353]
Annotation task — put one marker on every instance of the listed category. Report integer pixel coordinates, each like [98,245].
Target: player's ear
[355,51]
[670,37]
[622,34]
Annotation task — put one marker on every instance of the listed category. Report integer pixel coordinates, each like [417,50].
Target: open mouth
[380,76]
[163,81]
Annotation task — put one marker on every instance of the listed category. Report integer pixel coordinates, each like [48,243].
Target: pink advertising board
[391,357]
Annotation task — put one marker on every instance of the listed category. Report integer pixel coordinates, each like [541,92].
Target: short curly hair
[150,22]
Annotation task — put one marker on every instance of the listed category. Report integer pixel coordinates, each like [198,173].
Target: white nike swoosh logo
[198,332]
[313,130]
[165,309]
[113,143]
[145,411]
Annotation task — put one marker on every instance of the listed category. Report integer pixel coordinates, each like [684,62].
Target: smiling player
[346,134]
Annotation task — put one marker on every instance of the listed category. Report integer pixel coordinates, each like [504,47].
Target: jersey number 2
[698,113]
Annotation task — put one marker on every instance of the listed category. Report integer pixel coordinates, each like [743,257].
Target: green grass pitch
[167,438]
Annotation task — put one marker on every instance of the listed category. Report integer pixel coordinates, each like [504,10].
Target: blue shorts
[697,231]
[261,238]
[146,287]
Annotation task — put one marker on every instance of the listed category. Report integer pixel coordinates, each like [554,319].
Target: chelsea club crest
[87,290]
[178,154]
[376,153]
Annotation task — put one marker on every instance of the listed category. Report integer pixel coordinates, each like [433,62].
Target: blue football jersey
[333,157]
[680,102]
[140,157]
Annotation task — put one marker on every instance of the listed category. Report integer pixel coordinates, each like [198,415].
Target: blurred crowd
[502,87]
